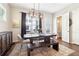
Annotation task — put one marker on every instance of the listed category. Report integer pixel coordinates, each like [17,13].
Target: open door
[65,27]
[59,27]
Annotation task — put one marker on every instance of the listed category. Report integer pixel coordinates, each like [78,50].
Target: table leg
[28,52]
[31,42]
[47,41]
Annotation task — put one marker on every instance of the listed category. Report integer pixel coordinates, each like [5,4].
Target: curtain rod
[24,12]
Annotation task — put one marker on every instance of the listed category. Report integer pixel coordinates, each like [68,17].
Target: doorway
[59,27]
[63,27]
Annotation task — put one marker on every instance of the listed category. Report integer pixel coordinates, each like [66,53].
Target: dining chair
[22,41]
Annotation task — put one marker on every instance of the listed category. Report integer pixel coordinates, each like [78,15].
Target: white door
[65,27]
[75,26]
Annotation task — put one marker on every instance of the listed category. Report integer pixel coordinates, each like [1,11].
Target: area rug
[44,51]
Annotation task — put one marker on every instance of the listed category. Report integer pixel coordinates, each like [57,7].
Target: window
[32,24]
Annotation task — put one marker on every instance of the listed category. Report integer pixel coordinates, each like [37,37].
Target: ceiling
[47,7]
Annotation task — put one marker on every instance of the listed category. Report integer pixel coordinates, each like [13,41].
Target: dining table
[46,37]
[41,36]
[35,35]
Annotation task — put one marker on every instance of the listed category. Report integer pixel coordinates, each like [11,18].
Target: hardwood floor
[71,46]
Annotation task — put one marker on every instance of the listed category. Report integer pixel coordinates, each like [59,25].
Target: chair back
[19,37]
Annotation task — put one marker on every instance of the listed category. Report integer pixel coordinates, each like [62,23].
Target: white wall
[5,23]
[16,15]
[75,27]
[73,32]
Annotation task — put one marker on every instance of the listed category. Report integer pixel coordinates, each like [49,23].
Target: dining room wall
[73,10]
[16,15]
[75,27]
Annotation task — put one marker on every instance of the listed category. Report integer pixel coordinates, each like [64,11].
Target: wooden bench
[55,45]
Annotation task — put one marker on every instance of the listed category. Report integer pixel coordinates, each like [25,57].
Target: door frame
[69,27]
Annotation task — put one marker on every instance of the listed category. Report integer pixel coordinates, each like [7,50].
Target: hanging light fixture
[39,13]
[34,12]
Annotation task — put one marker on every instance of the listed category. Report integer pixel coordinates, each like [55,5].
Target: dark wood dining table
[46,37]
[29,36]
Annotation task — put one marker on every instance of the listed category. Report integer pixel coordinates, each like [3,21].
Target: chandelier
[36,12]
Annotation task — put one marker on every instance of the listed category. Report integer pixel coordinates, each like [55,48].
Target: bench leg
[56,46]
